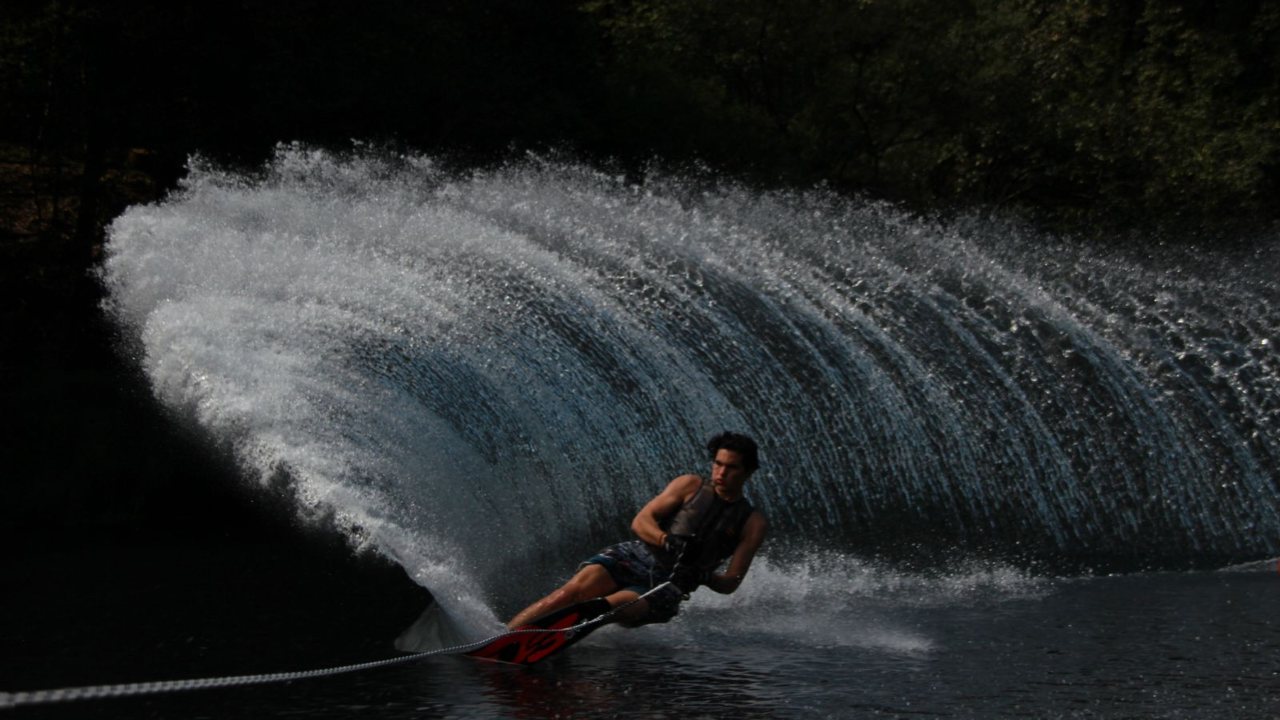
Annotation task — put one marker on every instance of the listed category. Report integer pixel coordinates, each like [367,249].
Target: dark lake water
[970,645]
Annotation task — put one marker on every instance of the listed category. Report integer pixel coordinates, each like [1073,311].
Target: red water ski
[529,648]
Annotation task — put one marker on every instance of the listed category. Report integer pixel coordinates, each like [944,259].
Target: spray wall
[480,372]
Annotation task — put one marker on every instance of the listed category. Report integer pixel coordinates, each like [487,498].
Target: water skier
[684,534]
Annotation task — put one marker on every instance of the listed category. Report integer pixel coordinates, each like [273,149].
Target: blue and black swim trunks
[633,567]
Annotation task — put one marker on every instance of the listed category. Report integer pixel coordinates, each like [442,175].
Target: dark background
[1122,119]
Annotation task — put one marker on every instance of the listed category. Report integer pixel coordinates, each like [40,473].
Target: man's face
[728,473]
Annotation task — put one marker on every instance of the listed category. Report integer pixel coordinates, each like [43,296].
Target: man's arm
[645,524]
[753,533]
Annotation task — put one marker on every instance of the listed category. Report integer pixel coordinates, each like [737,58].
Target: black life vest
[714,524]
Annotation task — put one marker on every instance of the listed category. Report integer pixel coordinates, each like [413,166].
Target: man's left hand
[688,578]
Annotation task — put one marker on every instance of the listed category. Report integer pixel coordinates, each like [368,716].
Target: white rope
[96,692]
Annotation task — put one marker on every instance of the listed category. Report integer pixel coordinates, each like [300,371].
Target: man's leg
[591,581]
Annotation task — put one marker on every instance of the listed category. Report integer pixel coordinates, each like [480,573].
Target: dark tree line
[1075,109]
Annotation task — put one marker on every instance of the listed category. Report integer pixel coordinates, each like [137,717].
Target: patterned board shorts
[634,568]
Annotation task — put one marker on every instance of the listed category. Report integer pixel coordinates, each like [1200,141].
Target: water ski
[528,648]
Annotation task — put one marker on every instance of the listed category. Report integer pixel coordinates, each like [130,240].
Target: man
[684,533]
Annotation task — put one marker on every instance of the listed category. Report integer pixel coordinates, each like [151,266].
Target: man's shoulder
[686,485]
[689,479]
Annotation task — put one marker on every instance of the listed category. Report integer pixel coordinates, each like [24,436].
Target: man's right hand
[677,545]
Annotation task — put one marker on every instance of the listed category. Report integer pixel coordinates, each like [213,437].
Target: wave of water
[479,373]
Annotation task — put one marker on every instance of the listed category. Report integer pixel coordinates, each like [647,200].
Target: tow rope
[97,692]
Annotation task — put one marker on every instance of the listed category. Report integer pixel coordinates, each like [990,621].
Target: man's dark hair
[741,444]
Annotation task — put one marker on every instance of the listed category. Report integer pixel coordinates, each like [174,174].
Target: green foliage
[1073,109]
[1204,108]
[810,89]
[1164,108]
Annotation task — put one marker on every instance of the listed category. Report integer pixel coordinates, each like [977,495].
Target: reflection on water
[1162,645]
